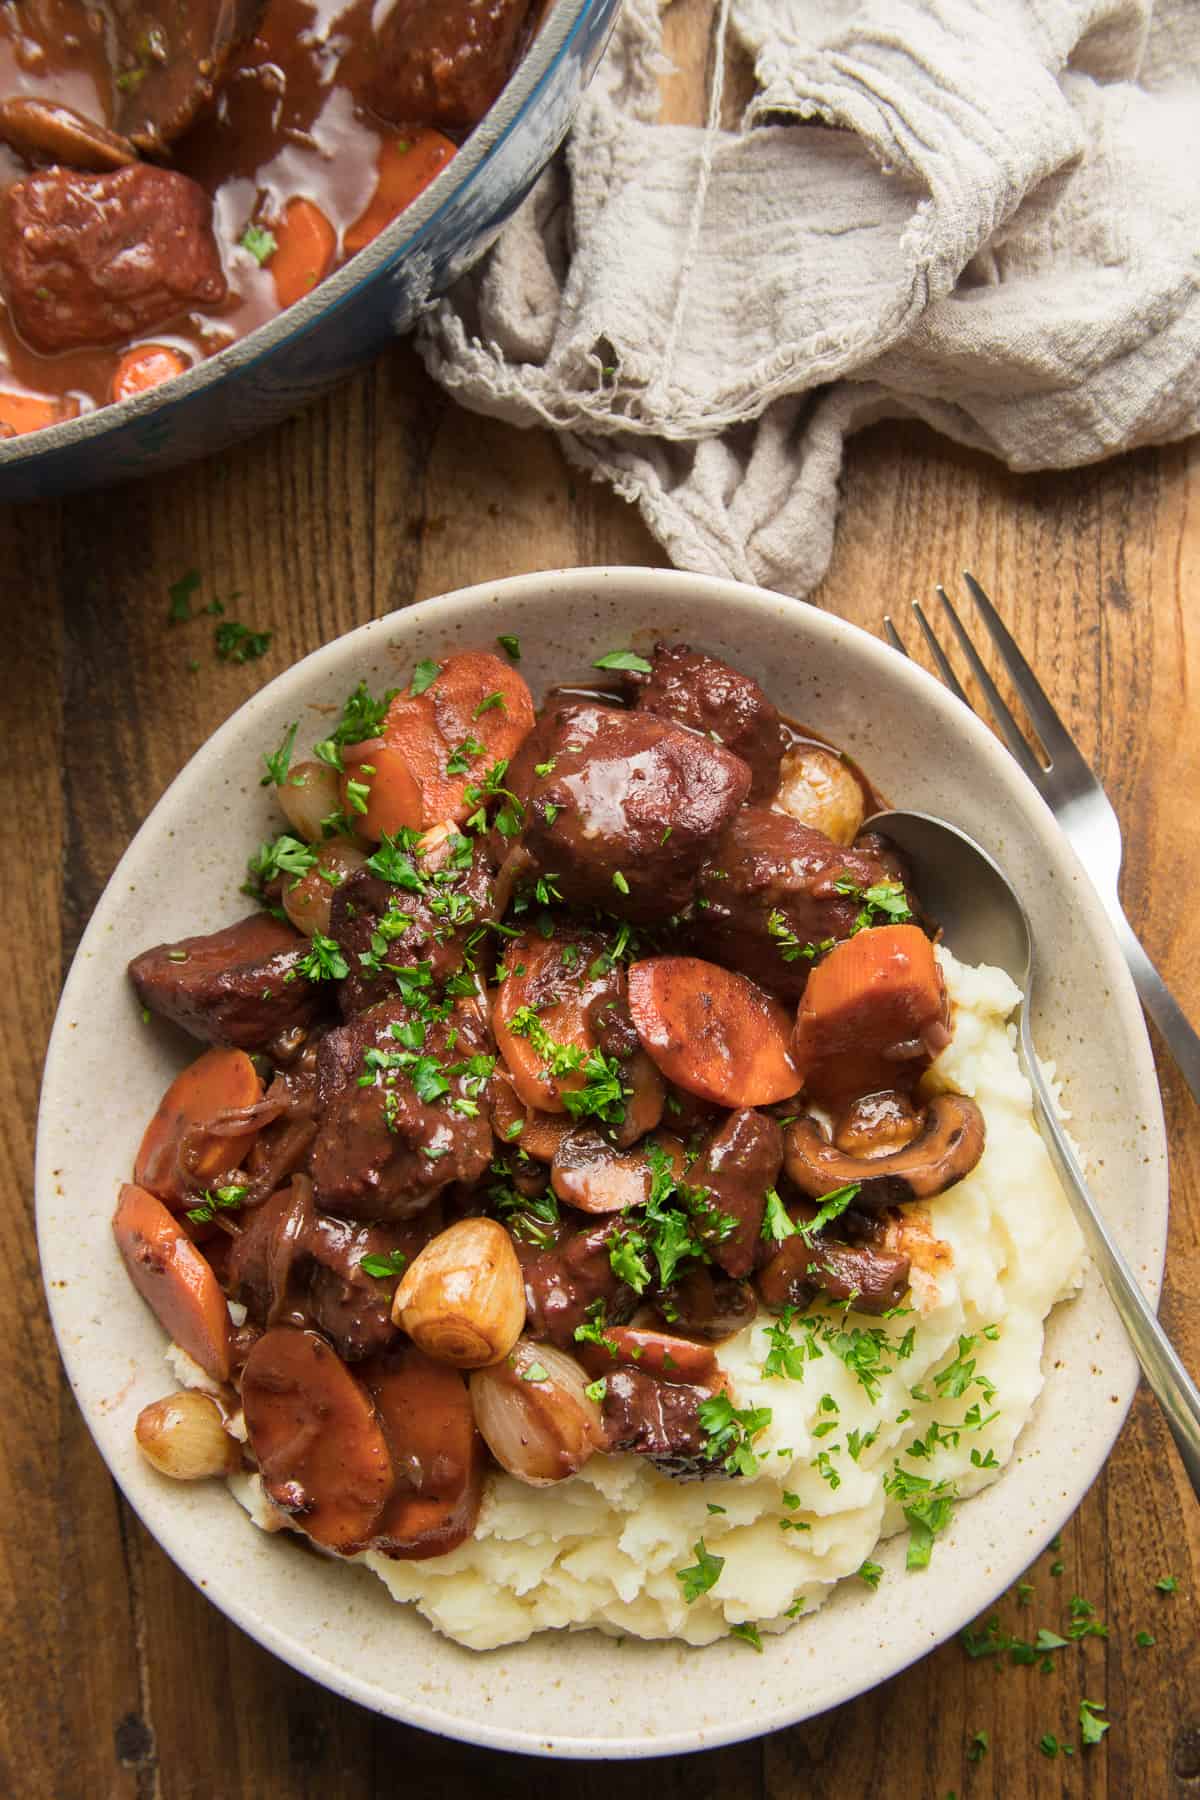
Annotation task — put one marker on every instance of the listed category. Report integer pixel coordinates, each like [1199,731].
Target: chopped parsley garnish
[776,1223]
[619,882]
[489,703]
[286,855]
[1144,1640]
[1167,1584]
[703,1573]
[884,903]
[624,659]
[543,769]
[238,643]
[362,717]
[954,1380]
[261,243]
[730,1432]
[383,1267]
[977,1749]
[460,759]
[596,1390]
[603,1093]
[510,645]
[424,675]
[536,1371]
[222,1199]
[592,1330]
[279,761]
[748,1634]
[324,961]
[927,1508]
[790,947]
[831,1207]
[870,1572]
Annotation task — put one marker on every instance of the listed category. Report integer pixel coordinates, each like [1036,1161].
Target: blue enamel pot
[346,321]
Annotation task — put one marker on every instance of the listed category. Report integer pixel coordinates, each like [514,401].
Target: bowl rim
[434,619]
[562,24]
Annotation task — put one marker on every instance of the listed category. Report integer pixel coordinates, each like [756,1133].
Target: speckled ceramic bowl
[106,1070]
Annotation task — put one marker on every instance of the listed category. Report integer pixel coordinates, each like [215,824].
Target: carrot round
[173,1277]
[145,367]
[476,712]
[216,1082]
[319,1444]
[564,995]
[425,1410]
[305,245]
[874,1008]
[406,166]
[712,1032]
[22,413]
[379,792]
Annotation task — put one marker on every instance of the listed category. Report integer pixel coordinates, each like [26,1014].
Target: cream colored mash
[990,1259]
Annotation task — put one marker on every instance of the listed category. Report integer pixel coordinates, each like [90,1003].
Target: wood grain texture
[119,1679]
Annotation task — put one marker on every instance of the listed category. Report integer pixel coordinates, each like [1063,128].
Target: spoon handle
[1169,1381]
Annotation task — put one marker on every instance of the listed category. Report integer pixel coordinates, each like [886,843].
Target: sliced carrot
[22,413]
[477,712]
[384,784]
[145,367]
[655,1352]
[874,1009]
[439,1456]
[406,166]
[712,1032]
[172,1275]
[217,1082]
[319,1444]
[305,245]
[564,995]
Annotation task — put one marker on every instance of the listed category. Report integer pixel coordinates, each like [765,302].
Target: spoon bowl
[983,920]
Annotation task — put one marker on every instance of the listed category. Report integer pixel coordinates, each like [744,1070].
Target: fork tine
[1054,735]
[1009,729]
[892,635]
[939,655]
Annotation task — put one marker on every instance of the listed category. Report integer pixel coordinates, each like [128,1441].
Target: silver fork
[1073,794]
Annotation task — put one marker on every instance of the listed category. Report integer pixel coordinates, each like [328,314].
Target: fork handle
[1181,1039]
[1165,1374]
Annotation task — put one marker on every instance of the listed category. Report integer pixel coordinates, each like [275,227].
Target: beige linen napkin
[980,213]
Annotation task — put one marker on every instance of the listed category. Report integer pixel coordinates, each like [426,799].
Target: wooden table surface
[118,1679]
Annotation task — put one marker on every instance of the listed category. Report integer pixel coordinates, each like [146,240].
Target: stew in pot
[175,172]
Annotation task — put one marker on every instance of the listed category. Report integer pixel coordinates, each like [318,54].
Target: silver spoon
[984,921]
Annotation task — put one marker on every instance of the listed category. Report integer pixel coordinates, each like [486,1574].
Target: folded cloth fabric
[979,213]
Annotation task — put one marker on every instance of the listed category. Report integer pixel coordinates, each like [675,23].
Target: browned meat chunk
[291,1265]
[378,924]
[709,696]
[240,986]
[738,1164]
[444,65]
[564,1281]
[769,889]
[96,259]
[870,1278]
[400,1120]
[169,58]
[622,815]
[707,1305]
[658,1419]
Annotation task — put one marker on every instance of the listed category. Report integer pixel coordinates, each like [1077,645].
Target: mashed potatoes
[869,1419]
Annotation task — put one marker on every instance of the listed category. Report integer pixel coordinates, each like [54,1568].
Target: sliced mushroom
[870,1278]
[169,59]
[947,1147]
[590,1173]
[50,131]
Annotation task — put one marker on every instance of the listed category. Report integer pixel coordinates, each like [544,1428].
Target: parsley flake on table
[1167,1584]
[1145,1639]
[1091,1727]
[238,643]
[702,1574]
[180,595]
[624,659]
[978,1746]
